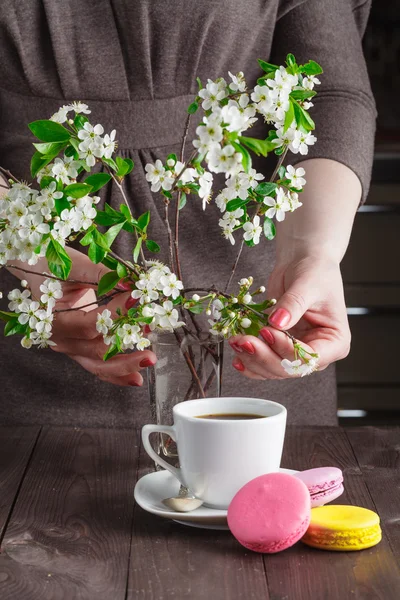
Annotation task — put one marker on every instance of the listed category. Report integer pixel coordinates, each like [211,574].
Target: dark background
[369,379]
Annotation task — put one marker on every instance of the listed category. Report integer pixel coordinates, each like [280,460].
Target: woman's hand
[311,306]
[75,332]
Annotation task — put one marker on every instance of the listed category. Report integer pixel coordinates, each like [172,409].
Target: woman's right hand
[75,332]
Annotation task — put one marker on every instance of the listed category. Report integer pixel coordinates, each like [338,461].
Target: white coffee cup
[217,457]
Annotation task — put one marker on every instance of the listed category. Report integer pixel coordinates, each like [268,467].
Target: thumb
[83,269]
[293,304]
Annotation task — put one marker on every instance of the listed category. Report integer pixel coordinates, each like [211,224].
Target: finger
[82,324]
[239,366]
[294,303]
[280,343]
[331,346]
[257,357]
[118,366]
[95,348]
[133,379]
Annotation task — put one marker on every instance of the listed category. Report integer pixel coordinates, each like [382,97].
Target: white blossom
[158,176]
[309,367]
[224,160]
[301,141]
[292,367]
[17,298]
[79,107]
[252,230]
[170,285]
[109,144]
[205,182]
[279,205]
[29,313]
[309,82]
[213,93]
[166,316]
[51,292]
[295,177]
[238,83]
[65,170]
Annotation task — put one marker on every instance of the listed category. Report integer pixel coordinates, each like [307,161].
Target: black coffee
[231,416]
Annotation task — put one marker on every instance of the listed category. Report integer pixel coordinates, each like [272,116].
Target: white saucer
[151,490]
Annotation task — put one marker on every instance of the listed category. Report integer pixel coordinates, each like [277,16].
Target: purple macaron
[324,484]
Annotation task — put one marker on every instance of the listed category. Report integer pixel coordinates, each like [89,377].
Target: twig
[9,175]
[190,364]
[278,166]
[121,189]
[44,274]
[98,302]
[178,202]
[170,240]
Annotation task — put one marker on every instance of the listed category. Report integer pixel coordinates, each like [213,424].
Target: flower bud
[26,343]
[24,283]
[244,281]
[170,162]
[196,297]
[273,301]
[232,315]
[208,312]
[225,331]
[245,323]
[247,298]
[262,289]
[250,280]
[1,295]
[235,300]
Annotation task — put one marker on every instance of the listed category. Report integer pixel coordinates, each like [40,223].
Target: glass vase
[188,367]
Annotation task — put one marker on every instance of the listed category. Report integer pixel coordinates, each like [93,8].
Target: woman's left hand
[311,306]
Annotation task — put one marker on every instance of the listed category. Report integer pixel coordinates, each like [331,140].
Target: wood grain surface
[72,531]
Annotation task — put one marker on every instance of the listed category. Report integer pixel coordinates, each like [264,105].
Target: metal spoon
[184,501]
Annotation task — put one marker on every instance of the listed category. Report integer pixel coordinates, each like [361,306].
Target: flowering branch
[49,276]
[36,223]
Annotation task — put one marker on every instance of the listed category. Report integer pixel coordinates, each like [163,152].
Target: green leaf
[50,149]
[249,243]
[58,260]
[282,172]
[77,190]
[122,270]
[7,316]
[182,201]
[97,181]
[80,121]
[46,181]
[125,166]
[14,327]
[143,221]
[111,163]
[259,147]
[88,237]
[110,262]
[125,211]
[261,306]
[303,119]
[192,108]
[75,143]
[236,203]
[49,131]
[267,67]
[269,228]
[112,351]
[100,240]
[38,161]
[197,309]
[279,151]
[70,151]
[289,116]
[302,94]
[110,216]
[246,158]
[107,282]
[291,61]
[112,233]
[311,68]
[137,249]
[61,204]
[199,83]
[152,246]
[266,189]
[96,254]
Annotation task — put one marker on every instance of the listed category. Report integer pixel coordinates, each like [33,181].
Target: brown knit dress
[135,63]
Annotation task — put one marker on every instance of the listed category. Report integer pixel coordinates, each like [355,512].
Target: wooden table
[70,529]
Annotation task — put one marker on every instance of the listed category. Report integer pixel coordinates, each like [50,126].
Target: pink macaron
[324,484]
[270,513]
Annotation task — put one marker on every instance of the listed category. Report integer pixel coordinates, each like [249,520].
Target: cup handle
[147,430]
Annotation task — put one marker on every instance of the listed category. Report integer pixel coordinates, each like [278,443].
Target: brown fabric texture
[135,64]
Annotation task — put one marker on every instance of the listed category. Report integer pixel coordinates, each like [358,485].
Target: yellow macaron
[337,527]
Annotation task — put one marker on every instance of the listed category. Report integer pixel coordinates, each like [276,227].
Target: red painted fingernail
[247,347]
[124,286]
[238,365]
[146,329]
[280,317]
[147,362]
[267,335]
[235,347]
[130,302]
